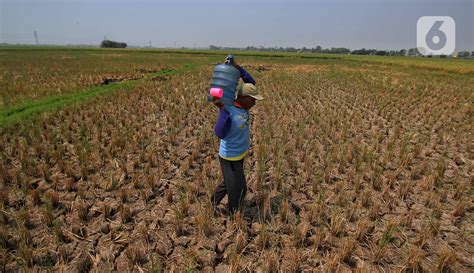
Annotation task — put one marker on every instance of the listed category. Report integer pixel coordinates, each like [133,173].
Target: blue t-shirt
[235,144]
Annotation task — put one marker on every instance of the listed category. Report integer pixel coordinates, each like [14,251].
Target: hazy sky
[382,24]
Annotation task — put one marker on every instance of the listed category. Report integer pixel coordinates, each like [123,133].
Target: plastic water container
[225,77]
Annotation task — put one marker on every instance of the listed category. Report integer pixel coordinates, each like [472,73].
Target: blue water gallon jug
[226,76]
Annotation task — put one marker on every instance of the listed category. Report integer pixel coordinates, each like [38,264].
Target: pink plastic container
[216,92]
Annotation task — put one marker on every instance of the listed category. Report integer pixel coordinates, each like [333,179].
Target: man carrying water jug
[233,129]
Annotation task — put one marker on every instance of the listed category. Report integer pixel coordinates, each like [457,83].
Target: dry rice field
[355,165]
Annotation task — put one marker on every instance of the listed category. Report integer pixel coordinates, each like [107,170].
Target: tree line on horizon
[338,50]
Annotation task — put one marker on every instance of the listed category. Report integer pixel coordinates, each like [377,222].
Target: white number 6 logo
[436,35]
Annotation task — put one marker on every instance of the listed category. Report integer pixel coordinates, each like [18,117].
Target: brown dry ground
[353,167]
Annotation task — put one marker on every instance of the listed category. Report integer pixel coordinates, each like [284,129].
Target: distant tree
[364,51]
[464,54]
[396,52]
[339,50]
[402,52]
[112,44]
[413,52]
[381,52]
[358,51]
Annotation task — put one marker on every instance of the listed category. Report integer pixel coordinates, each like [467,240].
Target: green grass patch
[18,113]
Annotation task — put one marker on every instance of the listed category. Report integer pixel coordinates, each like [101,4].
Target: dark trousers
[234,184]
